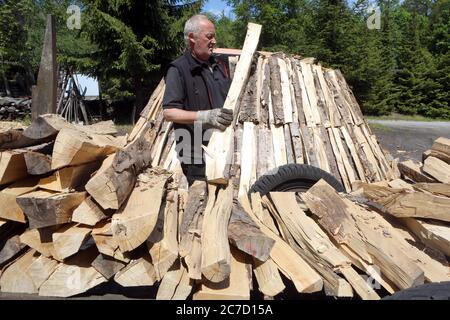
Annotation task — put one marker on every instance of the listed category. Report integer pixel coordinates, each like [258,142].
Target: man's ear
[191,37]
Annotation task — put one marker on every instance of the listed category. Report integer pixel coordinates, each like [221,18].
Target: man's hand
[219,118]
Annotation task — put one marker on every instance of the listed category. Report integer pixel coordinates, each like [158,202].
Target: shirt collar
[195,63]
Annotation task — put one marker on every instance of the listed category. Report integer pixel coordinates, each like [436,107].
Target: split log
[9,208]
[136,221]
[432,233]
[215,248]
[11,249]
[37,163]
[12,166]
[276,90]
[46,126]
[137,273]
[68,240]
[349,226]
[220,147]
[175,285]
[441,145]
[437,154]
[40,240]
[414,172]
[69,178]
[438,169]
[305,279]
[403,203]
[236,288]
[106,243]
[74,147]
[245,235]
[107,266]
[74,276]
[45,209]
[268,277]
[440,189]
[248,110]
[88,213]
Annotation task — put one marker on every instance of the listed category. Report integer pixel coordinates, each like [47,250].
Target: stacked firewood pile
[14,108]
[81,205]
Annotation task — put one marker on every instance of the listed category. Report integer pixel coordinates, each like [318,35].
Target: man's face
[203,43]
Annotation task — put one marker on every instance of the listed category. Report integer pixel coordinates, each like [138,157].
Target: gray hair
[192,25]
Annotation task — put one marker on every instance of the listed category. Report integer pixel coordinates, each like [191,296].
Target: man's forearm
[180,116]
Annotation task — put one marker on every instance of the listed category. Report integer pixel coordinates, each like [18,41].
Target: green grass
[397,116]
[379,127]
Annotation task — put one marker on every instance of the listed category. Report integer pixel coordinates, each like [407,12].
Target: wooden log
[307,136]
[248,110]
[37,163]
[107,266]
[266,160]
[279,146]
[215,248]
[88,213]
[334,115]
[265,92]
[74,147]
[11,249]
[438,169]
[432,233]
[74,276]
[220,147]
[236,288]
[288,108]
[106,243]
[321,103]
[9,209]
[175,285]
[403,203]
[12,166]
[442,145]
[40,240]
[345,223]
[414,172]
[69,178]
[245,235]
[305,279]
[311,93]
[137,273]
[268,277]
[68,240]
[110,188]
[46,126]
[297,143]
[276,90]
[45,209]
[163,242]
[133,224]
[288,144]
[437,154]
[440,189]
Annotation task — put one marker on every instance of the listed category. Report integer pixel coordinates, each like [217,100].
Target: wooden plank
[68,240]
[215,247]
[311,92]
[331,159]
[353,151]
[334,115]
[321,103]
[73,277]
[339,159]
[305,279]
[134,223]
[248,148]
[88,213]
[297,95]
[220,147]
[414,171]
[9,209]
[74,147]
[237,288]
[265,151]
[440,189]
[288,144]
[288,108]
[403,203]
[442,145]
[45,209]
[308,140]
[432,233]
[367,154]
[319,148]
[248,109]
[279,146]
[437,154]
[297,143]
[12,166]
[348,224]
[69,178]
[438,169]
[245,235]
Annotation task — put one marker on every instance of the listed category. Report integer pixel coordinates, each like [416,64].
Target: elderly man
[197,84]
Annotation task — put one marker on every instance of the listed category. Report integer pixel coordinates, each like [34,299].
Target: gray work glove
[219,118]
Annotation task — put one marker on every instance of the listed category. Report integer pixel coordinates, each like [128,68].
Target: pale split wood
[106,243]
[73,277]
[268,277]
[88,213]
[12,166]
[432,233]
[286,92]
[276,90]
[11,248]
[297,143]
[353,151]
[137,273]
[220,147]
[68,240]
[437,168]
[311,92]
[237,286]
[414,171]
[305,279]
[340,160]
[248,150]
[441,189]
[40,240]
[107,266]
[9,209]
[335,117]
[215,248]
[175,285]
[137,219]
[279,146]
[442,145]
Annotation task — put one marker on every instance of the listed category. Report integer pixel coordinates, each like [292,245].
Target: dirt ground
[408,139]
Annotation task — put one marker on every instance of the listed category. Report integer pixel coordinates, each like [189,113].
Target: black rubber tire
[293,177]
[429,291]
